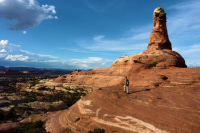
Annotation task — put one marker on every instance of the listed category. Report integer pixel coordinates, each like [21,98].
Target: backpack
[127,82]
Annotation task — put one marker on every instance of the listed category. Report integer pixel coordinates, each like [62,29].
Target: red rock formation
[158,39]
[13,72]
[160,100]
[163,96]
[159,49]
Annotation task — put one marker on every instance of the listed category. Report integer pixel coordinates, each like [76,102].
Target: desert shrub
[34,82]
[11,114]
[154,63]
[43,88]
[59,85]
[97,130]
[2,117]
[29,127]
[67,97]
[32,118]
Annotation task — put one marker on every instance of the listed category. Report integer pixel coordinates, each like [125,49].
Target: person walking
[126,86]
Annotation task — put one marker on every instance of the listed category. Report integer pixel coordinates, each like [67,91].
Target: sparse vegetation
[29,127]
[154,63]
[67,97]
[32,118]
[97,130]
[21,94]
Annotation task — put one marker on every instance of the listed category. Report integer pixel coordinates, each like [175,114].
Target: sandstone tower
[159,50]
[159,39]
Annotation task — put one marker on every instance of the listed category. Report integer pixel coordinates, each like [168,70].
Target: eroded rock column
[159,39]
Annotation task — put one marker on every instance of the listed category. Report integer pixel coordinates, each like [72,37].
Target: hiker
[126,85]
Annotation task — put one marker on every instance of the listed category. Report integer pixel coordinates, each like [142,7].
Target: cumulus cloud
[3,51]
[17,55]
[17,58]
[14,52]
[25,13]
[3,43]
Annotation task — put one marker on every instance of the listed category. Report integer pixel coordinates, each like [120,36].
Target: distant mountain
[2,68]
[39,70]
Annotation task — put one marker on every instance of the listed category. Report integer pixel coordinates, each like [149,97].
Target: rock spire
[159,39]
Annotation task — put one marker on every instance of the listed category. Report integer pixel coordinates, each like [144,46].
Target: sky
[88,34]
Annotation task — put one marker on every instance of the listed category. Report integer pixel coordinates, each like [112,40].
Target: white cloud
[99,37]
[196,46]
[46,56]
[3,43]
[107,5]
[17,58]
[184,31]
[91,62]
[184,21]
[86,63]
[3,51]
[132,44]
[26,13]
[141,36]
[17,54]
[37,56]
[24,32]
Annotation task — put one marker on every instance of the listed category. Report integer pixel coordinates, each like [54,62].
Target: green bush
[29,127]
[154,63]
[97,130]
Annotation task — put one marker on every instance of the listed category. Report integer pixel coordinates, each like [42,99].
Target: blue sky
[91,34]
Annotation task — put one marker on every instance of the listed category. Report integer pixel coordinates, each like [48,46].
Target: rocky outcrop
[160,100]
[12,72]
[159,51]
[163,98]
[158,39]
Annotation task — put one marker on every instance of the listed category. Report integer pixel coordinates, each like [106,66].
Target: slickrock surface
[164,94]
[160,100]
